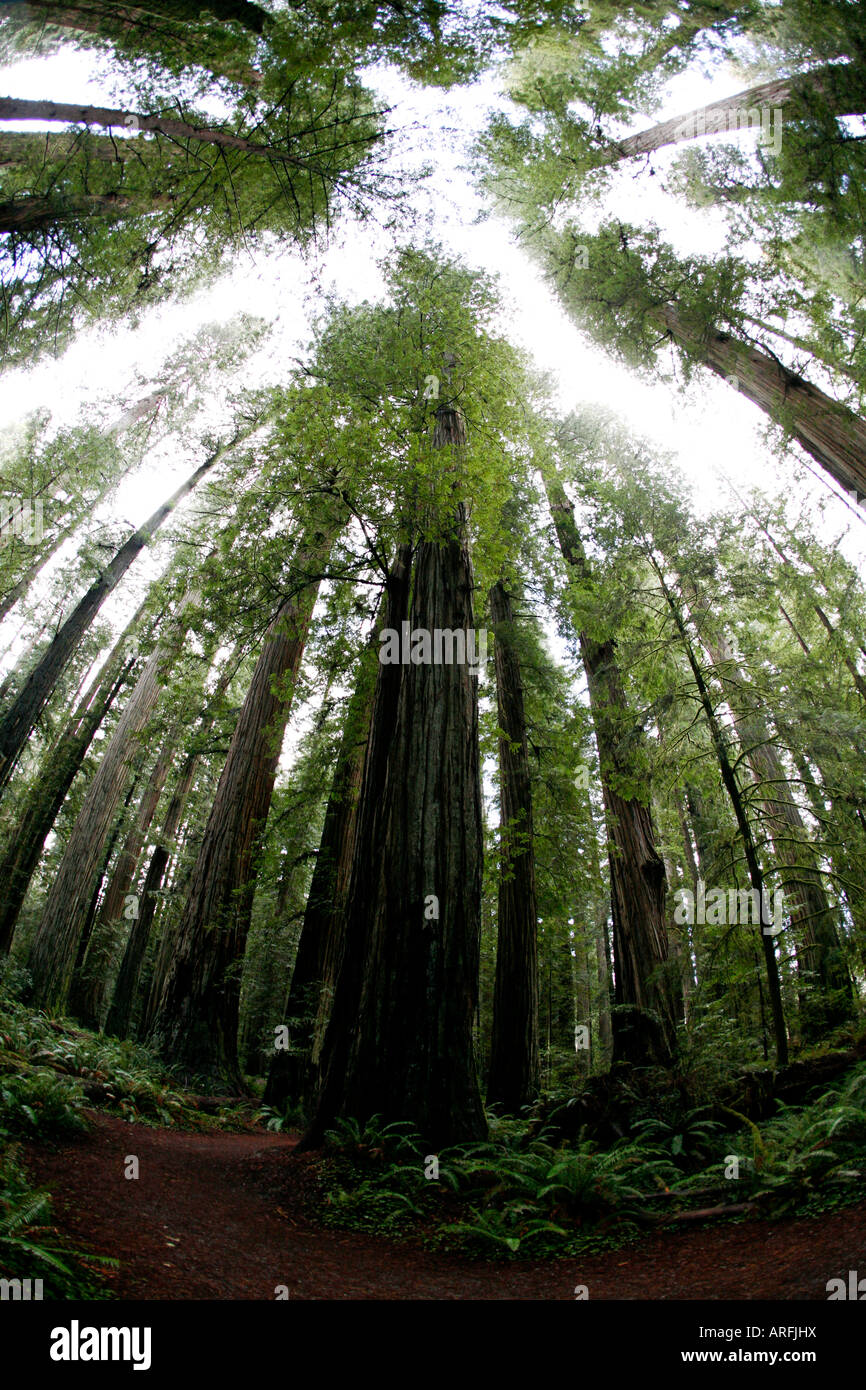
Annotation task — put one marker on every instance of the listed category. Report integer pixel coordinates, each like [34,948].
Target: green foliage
[30,1247]
[50,1071]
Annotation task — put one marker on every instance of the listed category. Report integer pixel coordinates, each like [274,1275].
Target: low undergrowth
[526,1193]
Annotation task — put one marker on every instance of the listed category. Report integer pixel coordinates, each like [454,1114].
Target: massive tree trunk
[513,1078]
[50,787]
[833,435]
[295,1074]
[90,984]
[646,1008]
[839,88]
[19,720]
[55,945]
[196,996]
[400,1039]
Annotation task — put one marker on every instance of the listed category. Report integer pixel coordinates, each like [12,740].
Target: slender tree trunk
[51,785]
[89,987]
[35,213]
[839,88]
[729,781]
[20,719]
[55,944]
[811,914]
[295,1074]
[120,1012]
[825,622]
[400,1040]
[196,998]
[833,435]
[22,109]
[513,1078]
[644,1021]
[20,587]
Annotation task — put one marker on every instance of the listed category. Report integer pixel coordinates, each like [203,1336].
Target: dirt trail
[219,1216]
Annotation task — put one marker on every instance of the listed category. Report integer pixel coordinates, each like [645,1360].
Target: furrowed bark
[295,1075]
[400,1039]
[833,435]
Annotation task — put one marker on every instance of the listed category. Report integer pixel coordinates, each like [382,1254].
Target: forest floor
[225,1216]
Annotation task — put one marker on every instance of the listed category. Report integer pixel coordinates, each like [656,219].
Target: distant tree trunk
[729,782]
[55,944]
[295,1075]
[513,1079]
[20,587]
[833,435]
[89,987]
[400,1039]
[820,949]
[19,720]
[645,1014]
[196,997]
[35,213]
[48,792]
[839,87]
[119,1014]
[825,622]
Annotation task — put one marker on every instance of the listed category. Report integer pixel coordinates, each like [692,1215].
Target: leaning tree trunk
[645,995]
[22,109]
[51,785]
[19,720]
[833,435]
[400,1040]
[513,1078]
[55,945]
[97,17]
[294,1074]
[840,88]
[197,996]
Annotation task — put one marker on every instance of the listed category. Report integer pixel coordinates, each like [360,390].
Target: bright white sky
[711,430]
